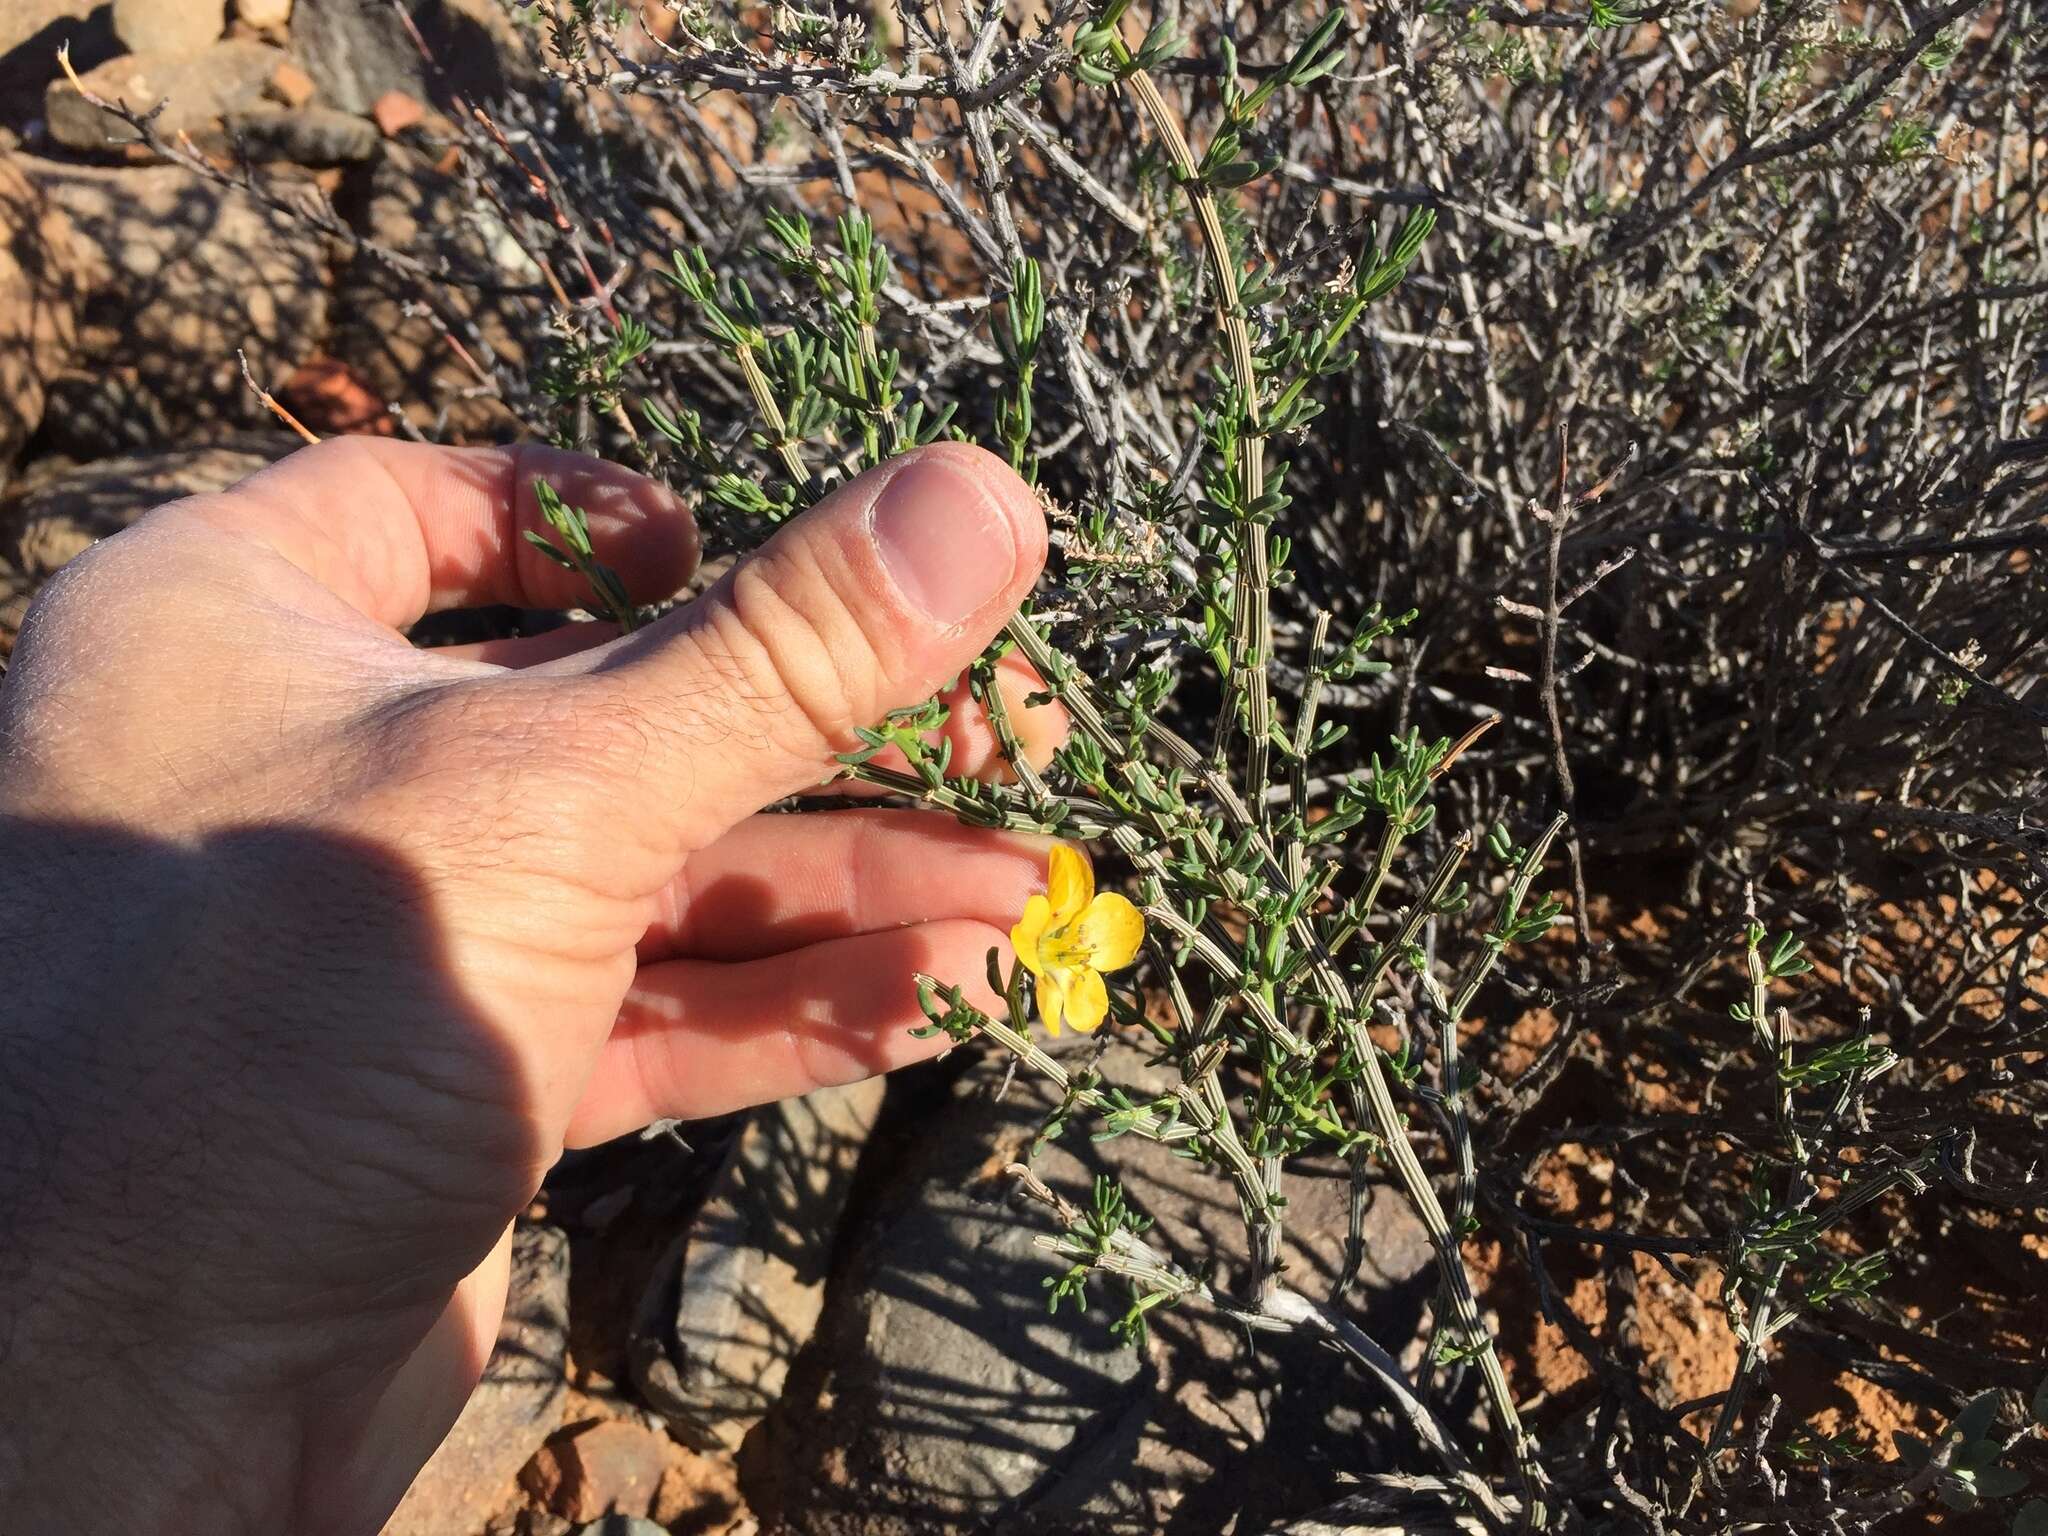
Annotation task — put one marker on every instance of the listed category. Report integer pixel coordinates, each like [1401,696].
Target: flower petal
[1052,1000]
[1029,933]
[1087,1002]
[1110,932]
[1069,883]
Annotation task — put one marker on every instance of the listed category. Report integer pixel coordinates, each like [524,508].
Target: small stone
[621,1525]
[608,1468]
[395,112]
[315,136]
[331,398]
[174,28]
[197,90]
[291,84]
[263,14]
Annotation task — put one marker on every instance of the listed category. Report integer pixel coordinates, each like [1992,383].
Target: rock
[178,273]
[110,408]
[61,511]
[385,334]
[31,31]
[515,1407]
[331,397]
[24,24]
[753,1275]
[169,27]
[486,46]
[940,1396]
[197,89]
[57,517]
[942,1392]
[291,84]
[263,14]
[317,136]
[41,291]
[609,1468]
[395,112]
[1359,1514]
[621,1525]
[355,52]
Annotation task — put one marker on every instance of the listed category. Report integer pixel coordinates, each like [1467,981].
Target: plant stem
[1251,643]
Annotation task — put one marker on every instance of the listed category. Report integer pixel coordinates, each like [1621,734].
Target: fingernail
[943,538]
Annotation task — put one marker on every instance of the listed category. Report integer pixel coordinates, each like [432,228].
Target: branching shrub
[1660,387]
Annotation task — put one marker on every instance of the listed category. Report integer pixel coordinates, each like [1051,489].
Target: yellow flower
[1068,937]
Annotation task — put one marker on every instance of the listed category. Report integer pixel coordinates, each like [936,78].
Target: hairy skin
[316,950]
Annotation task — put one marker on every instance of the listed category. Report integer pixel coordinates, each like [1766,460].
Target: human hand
[319,948]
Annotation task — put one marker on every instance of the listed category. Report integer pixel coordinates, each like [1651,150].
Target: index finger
[400,530]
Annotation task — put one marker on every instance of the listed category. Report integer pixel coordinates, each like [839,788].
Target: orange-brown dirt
[1676,1319]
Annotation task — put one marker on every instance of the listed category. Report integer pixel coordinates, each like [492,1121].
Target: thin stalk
[1251,645]
[1304,733]
[1387,1121]
[1366,902]
[1758,1330]
[989,808]
[1460,1004]
[776,426]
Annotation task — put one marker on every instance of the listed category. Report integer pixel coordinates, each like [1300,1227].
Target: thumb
[869,602]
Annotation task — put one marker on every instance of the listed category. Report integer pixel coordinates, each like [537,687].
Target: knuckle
[825,1054]
[92,629]
[801,660]
[91,585]
[116,588]
[110,640]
